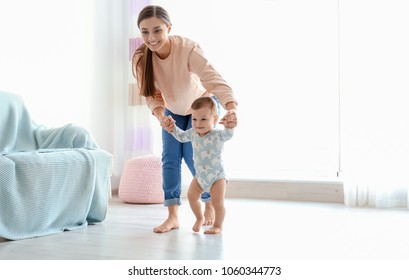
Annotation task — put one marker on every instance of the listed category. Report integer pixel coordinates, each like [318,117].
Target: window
[281,59]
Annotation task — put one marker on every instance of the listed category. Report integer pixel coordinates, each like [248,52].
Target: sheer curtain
[136,130]
[139,131]
[375,115]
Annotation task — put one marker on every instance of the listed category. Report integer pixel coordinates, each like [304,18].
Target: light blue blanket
[18,132]
[51,180]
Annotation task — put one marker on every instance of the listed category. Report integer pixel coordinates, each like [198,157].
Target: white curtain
[374,108]
[139,131]
[136,131]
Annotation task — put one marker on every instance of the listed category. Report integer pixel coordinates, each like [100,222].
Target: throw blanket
[18,132]
[46,193]
[51,180]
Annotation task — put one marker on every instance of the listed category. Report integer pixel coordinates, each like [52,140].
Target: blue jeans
[172,153]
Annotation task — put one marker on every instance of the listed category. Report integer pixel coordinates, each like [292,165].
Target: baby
[207,143]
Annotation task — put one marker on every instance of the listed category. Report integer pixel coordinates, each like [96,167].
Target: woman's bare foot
[198,225]
[213,230]
[168,225]
[209,214]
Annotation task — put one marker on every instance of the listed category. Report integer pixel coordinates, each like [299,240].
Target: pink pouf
[141,180]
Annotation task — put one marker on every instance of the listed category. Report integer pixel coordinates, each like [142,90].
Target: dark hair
[142,67]
[205,101]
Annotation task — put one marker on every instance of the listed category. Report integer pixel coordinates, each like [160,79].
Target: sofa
[51,179]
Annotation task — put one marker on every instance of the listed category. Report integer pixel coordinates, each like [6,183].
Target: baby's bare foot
[209,214]
[198,225]
[213,230]
[167,225]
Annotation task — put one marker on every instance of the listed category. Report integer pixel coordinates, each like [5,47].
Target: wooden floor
[254,230]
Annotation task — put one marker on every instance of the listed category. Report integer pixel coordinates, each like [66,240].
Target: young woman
[172,72]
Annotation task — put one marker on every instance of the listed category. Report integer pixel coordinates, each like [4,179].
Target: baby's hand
[230,119]
[168,124]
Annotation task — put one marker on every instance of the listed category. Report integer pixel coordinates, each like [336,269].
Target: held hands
[230,119]
[167,123]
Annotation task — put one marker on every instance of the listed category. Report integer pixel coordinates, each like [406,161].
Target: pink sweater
[184,76]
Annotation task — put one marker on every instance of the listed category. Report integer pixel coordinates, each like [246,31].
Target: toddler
[207,142]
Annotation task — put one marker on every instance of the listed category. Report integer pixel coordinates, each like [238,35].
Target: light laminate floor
[254,230]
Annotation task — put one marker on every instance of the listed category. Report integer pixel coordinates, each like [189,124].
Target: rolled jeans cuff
[173,201]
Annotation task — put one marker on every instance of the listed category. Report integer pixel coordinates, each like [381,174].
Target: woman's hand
[230,119]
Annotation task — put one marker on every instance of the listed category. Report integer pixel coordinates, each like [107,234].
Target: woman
[172,72]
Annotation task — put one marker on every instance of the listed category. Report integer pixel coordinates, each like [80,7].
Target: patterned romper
[207,152]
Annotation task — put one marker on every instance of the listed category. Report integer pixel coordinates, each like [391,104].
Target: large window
[281,59]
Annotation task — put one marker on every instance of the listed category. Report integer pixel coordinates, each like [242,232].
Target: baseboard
[308,191]
[312,191]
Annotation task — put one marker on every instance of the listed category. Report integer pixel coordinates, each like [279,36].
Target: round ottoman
[141,180]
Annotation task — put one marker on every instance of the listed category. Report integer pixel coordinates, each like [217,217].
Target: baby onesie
[207,152]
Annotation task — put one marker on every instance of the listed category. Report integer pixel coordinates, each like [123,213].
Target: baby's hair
[205,101]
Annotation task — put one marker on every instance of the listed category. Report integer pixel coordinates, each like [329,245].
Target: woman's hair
[142,67]
[205,101]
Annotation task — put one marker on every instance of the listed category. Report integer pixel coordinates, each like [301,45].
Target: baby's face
[203,120]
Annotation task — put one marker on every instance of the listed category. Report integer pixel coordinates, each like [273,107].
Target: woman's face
[155,36]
